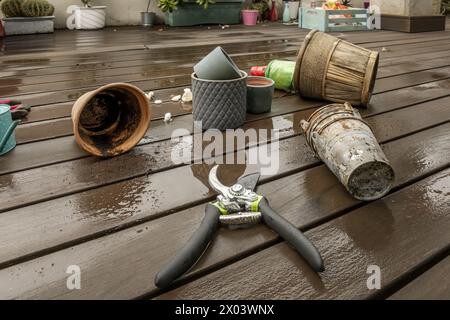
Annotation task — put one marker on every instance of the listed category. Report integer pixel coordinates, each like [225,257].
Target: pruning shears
[236,206]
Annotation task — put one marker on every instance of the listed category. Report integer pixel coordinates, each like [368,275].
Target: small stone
[187,95]
[158,101]
[150,95]
[176,98]
[168,117]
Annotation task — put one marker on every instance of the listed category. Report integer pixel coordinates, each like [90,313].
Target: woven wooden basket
[335,70]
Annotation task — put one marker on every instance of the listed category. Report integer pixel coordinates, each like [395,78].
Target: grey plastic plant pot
[147,19]
[259,94]
[217,65]
[219,104]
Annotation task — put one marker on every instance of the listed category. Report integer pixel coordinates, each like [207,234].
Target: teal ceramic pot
[7,126]
[259,94]
[217,65]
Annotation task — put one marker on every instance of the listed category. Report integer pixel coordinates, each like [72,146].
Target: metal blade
[215,183]
[249,181]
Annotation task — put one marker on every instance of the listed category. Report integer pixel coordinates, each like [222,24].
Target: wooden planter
[333,20]
[410,15]
[191,14]
[28,25]
[332,69]
[413,23]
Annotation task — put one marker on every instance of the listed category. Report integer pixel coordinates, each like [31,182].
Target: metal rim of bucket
[318,117]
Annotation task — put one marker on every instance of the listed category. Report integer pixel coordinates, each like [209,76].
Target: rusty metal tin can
[346,144]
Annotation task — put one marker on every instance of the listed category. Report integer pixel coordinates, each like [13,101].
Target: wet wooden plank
[16,87]
[93,61]
[434,284]
[91,172]
[47,98]
[306,198]
[146,77]
[62,127]
[146,61]
[379,233]
[55,111]
[65,149]
[151,196]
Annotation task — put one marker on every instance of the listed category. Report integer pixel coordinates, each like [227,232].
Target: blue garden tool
[236,206]
[7,126]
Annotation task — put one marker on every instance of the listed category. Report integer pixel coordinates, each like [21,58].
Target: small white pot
[90,18]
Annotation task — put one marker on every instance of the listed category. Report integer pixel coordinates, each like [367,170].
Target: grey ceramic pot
[219,104]
[217,65]
[259,94]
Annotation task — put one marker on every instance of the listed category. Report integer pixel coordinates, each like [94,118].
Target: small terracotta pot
[110,120]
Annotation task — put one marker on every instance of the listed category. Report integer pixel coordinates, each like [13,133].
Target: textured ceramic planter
[219,104]
[259,94]
[191,14]
[28,25]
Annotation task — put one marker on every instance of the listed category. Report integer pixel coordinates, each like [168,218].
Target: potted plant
[257,10]
[250,16]
[147,17]
[89,17]
[27,16]
[196,12]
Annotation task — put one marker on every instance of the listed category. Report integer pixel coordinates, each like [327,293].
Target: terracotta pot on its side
[111,120]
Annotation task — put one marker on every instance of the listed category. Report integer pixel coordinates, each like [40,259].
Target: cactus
[12,8]
[87,3]
[37,8]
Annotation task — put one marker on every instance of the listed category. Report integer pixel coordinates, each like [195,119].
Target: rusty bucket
[346,144]
[110,120]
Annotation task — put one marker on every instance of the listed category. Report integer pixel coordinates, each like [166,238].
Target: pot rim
[269,82]
[134,139]
[243,76]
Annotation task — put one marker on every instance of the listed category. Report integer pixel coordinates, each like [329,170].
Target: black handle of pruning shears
[292,235]
[193,249]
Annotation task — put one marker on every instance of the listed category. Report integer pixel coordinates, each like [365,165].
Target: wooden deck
[121,219]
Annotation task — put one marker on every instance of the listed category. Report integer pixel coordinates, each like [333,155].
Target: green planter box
[191,14]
